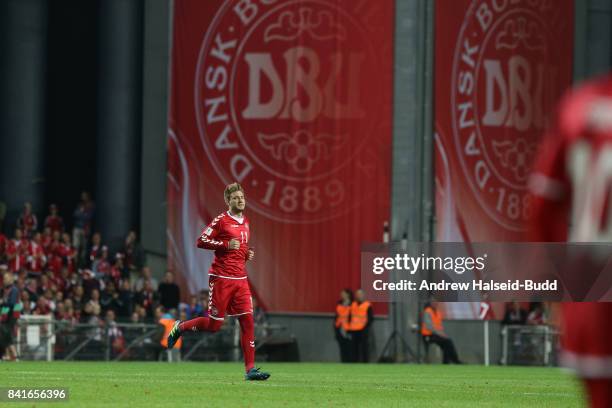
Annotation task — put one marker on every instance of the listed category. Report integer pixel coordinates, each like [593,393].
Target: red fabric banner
[500,68]
[293,100]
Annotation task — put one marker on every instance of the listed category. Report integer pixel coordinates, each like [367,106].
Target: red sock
[247,340]
[197,324]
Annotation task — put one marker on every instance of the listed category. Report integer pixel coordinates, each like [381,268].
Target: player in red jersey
[228,235]
[572,182]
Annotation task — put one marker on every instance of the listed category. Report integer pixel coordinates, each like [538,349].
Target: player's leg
[241,306]
[247,340]
[587,348]
[599,392]
[220,291]
[441,342]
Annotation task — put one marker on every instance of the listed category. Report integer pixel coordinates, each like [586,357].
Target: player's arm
[209,237]
[550,189]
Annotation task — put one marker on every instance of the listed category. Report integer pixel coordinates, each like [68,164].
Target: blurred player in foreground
[572,182]
[228,235]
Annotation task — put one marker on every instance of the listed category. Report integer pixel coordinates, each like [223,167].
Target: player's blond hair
[231,188]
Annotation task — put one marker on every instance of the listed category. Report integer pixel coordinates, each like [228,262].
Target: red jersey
[572,177]
[216,236]
[36,257]
[3,241]
[55,222]
[572,183]
[28,223]
[16,253]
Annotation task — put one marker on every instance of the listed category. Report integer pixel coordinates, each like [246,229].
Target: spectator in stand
[515,314]
[89,283]
[95,250]
[169,292]
[183,315]
[32,289]
[27,221]
[28,307]
[126,298]
[537,315]
[144,277]
[54,256]
[48,296]
[43,284]
[101,267]
[134,254]
[118,270]
[53,221]
[21,284]
[47,239]
[91,316]
[58,297]
[42,306]
[36,259]
[141,311]
[94,298]
[26,300]
[147,298]
[109,299]
[68,253]
[78,298]
[17,252]
[3,245]
[69,281]
[114,333]
[69,316]
[60,311]
[135,318]
[82,219]
[194,308]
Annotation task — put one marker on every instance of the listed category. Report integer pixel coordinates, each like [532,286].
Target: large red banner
[500,68]
[293,100]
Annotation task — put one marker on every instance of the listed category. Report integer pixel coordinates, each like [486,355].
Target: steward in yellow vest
[432,330]
[362,317]
[342,324]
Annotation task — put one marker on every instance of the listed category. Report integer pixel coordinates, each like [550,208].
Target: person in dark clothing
[110,299]
[126,300]
[169,292]
[362,317]
[10,308]
[515,314]
[342,324]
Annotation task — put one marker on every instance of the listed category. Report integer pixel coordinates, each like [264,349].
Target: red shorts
[587,339]
[228,295]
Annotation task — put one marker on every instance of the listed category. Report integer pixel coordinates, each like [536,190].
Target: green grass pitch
[304,385]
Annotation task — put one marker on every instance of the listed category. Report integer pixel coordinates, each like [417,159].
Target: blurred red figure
[27,221]
[36,254]
[54,220]
[572,180]
[16,251]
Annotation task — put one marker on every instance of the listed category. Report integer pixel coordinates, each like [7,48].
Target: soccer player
[228,235]
[572,182]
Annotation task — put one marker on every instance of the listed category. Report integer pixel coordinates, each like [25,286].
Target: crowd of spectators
[73,276]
